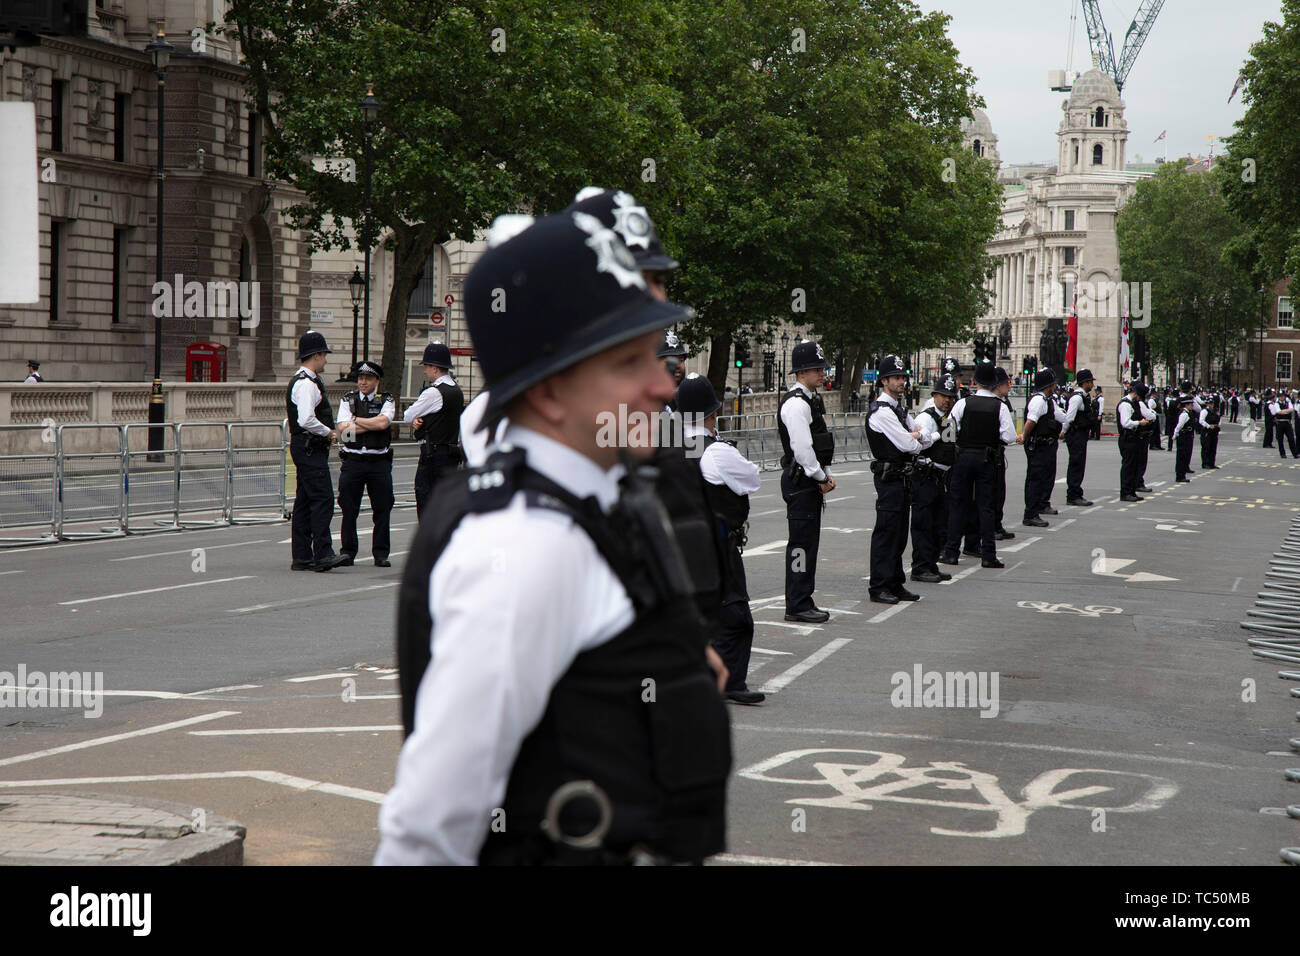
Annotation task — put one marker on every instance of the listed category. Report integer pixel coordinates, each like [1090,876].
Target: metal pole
[354,333]
[157,405]
[365,229]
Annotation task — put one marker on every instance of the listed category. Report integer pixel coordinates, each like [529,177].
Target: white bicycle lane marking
[885,779]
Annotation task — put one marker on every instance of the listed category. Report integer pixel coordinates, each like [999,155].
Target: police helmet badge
[672,340]
[820,354]
[631,221]
[612,256]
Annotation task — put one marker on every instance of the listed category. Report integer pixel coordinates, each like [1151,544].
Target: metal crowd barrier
[124,488]
[1275,620]
[757,439]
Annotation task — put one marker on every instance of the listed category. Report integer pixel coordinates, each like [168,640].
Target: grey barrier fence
[757,439]
[29,491]
[1275,626]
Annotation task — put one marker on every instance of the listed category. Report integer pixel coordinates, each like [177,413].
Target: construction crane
[1103,51]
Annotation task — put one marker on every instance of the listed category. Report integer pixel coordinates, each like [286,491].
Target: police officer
[32,374]
[366,461]
[674,355]
[1283,423]
[311,432]
[808,447]
[1269,401]
[894,438]
[435,415]
[983,426]
[1184,437]
[728,480]
[1098,411]
[1078,425]
[1042,428]
[1155,405]
[1002,389]
[553,670]
[1210,416]
[930,484]
[1133,428]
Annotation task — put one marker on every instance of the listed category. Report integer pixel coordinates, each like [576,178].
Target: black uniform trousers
[1232,411]
[1153,439]
[313,501]
[999,489]
[1209,446]
[1130,458]
[929,521]
[1040,475]
[1285,429]
[735,638]
[803,514]
[971,484]
[435,461]
[1171,422]
[372,474]
[1268,428]
[889,536]
[1143,456]
[1183,460]
[1077,443]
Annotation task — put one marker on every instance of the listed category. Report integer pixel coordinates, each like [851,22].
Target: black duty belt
[893,470]
[429,448]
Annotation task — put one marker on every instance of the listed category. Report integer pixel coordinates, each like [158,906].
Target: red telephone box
[205,362]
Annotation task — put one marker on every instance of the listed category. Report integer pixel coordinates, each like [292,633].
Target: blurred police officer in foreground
[1042,429]
[983,426]
[729,479]
[808,447]
[930,483]
[895,442]
[555,687]
[1078,426]
[435,416]
[366,461]
[311,431]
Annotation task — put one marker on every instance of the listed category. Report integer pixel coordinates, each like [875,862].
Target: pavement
[1115,714]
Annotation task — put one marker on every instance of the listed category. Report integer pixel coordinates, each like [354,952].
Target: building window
[245,275]
[254,145]
[1096,155]
[1099,118]
[58,114]
[121,126]
[1069,255]
[119,275]
[977,149]
[1284,315]
[423,296]
[1076,151]
[1283,367]
[58,255]
[1069,219]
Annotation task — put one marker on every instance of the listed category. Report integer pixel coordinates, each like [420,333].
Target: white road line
[769,495]
[1021,545]
[266,776]
[1062,524]
[215,547]
[961,574]
[805,665]
[377,697]
[840,498]
[764,601]
[303,680]
[1157,484]
[1235,583]
[218,690]
[114,738]
[1013,745]
[171,587]
[58,545]
[889,612]
[803,629]
[1013,567]
[764,650]
[307,599]
[744,859]
[2,573]
[294,730]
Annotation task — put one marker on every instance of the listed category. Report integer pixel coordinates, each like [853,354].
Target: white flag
[1123,348]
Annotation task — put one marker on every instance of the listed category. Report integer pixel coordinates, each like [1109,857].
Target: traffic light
[743,358]
[991,351]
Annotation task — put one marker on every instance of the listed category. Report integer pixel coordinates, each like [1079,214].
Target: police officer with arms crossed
[1184,437]
[895,441]
[1042,428]
[983,425]
[311,431]
[1283,423]
[435,416]
[1078,426]
[1133,429]
[366,461]
[808,447]
[728,479]
[930,484]
[551,663]
[1209,435]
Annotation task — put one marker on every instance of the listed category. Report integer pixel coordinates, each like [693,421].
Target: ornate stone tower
[977,135]
[1092,134]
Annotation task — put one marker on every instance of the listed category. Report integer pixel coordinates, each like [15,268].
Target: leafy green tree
[1177,232]
[488,107]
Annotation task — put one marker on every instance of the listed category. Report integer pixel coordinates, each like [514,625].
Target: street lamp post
[1259,365]
[160,51]
[356,289]
[785,348]
[370,107]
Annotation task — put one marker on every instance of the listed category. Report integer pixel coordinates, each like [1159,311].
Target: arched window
[1096,155]
[977,149]
[1099,118]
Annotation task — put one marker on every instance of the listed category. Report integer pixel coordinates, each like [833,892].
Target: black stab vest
[324,412]
[730,508]
[823,441]
[980,422]
[1087,414]
[363,407]
[679,486]
[443,426]
[1048,425]
[942,452]
[639,715]
[882,449]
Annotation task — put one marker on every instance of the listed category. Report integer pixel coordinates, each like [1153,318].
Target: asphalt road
[1116,731]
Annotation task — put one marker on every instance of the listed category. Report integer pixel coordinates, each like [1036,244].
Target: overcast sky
[1180,82]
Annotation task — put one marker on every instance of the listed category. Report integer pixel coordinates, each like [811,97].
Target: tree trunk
[859,363]
[1204,350]
[719,363]
[412,245]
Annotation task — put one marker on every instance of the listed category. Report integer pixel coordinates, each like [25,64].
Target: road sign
[437,320]
[448,299]
[868,375]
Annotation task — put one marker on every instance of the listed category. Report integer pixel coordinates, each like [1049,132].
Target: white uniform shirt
[477,443]
[306,396]
[723,464]
[1101,403]
[345,415]
[1147,411]
[515,596]
[1125,414]
[1204,415]
[930,430]
[1040,406]
[796,415]
[1273,408]
[1184,419]
[1072,408]
[430,400]
[31,378]
[885,422]
[1006,424]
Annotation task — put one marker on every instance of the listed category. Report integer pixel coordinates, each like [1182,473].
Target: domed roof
[977,123]
[1091,87]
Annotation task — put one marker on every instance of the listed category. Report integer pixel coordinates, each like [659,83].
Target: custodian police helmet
[807,355]
[695,396]
[950,366]
[437,353]
[311,343]
[620,212]
[672,345]
[986,375]
[1000,375]
[947,386]
[890,365]
[1044,378]
[1083,375]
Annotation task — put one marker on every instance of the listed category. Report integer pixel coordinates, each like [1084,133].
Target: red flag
[1072,328]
